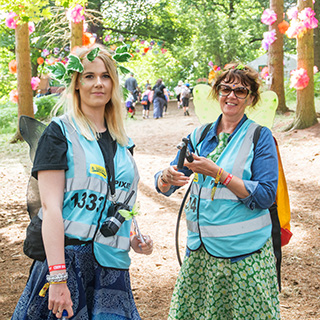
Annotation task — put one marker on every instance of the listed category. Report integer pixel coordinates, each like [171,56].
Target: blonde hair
[114,109]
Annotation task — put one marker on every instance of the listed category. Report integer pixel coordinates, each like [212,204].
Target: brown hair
[236,72]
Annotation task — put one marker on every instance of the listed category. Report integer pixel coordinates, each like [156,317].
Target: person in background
[131,85]
[131,110]
[229,267]
[38,95]
[177,91]
[48,92]
[146,101]
[159,98]
[147,85]
[185,97]
[85,171]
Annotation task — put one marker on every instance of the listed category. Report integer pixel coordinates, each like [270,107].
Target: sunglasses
[240,92]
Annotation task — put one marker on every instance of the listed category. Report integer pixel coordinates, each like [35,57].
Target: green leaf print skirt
[210,288]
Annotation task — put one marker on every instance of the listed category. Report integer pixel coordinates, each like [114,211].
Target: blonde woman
[85,172]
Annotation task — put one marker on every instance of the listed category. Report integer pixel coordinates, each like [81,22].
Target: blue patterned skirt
[97,293]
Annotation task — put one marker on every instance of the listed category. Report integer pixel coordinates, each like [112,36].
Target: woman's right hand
[60,299]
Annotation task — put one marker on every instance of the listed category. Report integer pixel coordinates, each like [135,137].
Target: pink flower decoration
[269,38]
[107,38]
[76,14]
[210,64]
[308,19]
[299,79]
[35,82]
[31,27]
[13,96]
[296,30]
[268,17]
[315,69]
[292,13]
[11,22]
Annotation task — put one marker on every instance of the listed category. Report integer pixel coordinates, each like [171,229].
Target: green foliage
[44,106]
[290,93]
[8,117]
[316,80]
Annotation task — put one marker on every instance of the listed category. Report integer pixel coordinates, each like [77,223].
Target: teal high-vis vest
[87,196]
[225,226]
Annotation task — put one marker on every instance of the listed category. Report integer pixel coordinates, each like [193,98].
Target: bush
[316,80]
[8,117]
[44,106]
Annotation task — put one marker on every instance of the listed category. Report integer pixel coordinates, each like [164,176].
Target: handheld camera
[184,153]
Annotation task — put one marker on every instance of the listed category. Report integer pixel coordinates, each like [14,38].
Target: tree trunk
[305,113]
[316,33]
[25,95]
[76,34]
[275,58]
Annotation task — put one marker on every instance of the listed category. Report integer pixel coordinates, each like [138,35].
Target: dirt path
[153,277]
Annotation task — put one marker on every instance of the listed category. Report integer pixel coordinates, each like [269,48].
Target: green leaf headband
[63,73]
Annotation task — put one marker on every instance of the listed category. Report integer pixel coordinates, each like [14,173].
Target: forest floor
[153,277]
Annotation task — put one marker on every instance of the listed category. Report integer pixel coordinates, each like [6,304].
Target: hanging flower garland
[300,23]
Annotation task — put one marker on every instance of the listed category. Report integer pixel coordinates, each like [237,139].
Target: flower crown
[63,73]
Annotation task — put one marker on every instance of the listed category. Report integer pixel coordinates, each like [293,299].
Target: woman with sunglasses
[229,270]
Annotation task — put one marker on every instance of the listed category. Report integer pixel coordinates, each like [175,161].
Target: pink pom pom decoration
[299,79]
[31,27]
[35,82]
[269,37]
[76,14]
[268,17]
[11,22]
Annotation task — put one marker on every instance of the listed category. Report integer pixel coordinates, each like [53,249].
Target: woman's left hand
[202,165]
[145,247]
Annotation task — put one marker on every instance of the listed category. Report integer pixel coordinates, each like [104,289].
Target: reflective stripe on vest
[230,229]
[118,242]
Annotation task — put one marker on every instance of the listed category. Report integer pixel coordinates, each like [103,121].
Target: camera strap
[108,148]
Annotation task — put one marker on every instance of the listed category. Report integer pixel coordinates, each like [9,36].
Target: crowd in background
[157,95]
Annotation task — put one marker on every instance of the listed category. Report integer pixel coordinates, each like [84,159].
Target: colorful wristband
[228,179]
[57,267]
[216,181]
[164,183]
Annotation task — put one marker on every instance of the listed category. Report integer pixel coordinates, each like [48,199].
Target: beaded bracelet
[59,277]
